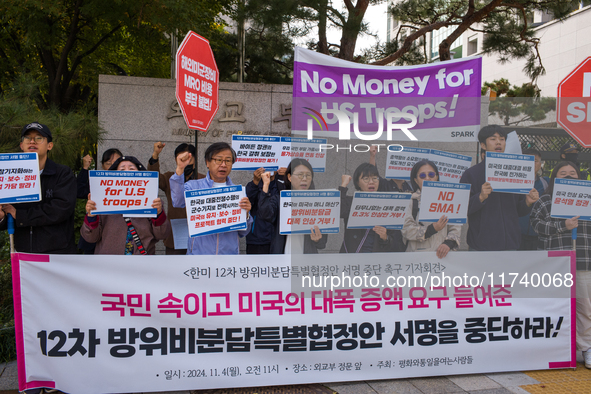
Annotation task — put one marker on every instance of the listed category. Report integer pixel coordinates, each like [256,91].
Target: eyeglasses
[218,161]
[303,175]
[38,138]
[373,179]
[424,175]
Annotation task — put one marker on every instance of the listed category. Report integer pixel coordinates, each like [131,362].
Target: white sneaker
[587,357]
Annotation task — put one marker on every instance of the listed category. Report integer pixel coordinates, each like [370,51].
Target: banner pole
[11,232]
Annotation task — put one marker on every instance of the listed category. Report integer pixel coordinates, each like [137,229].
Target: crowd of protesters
[496,221]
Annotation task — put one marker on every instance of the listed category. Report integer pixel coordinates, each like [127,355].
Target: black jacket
[268,210]
[262,232]
[47,226]
[354,237]
[494,223]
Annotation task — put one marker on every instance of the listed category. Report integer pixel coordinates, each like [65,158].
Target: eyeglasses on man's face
[303,175]
[219,161]
[38,139]
[424,175]
[368,179]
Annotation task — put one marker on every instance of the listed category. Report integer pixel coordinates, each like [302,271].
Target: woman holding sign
[298,176]
[116,234]
[557,234]
[439,236]
[378,239]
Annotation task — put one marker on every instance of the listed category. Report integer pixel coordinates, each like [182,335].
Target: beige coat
[413,232]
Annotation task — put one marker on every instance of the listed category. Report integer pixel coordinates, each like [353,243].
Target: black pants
[258,249]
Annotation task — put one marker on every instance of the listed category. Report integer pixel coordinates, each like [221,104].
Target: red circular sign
[573,108]
[197,81]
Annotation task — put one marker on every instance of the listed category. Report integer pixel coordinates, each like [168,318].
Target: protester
[556,234]
[299,176]
[529,238]
[83,181]
[164,185]
[440,236]
[570,152]
[117,234]
[219,158]
[493,218]
[378,239]
[109,157]
[258,240]
[46,226]
[389,185]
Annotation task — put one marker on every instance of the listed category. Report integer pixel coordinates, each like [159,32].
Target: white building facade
[563,45]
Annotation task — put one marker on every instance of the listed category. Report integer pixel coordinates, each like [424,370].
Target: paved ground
[555,381]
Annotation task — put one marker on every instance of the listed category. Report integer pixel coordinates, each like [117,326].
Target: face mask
[188,170]
[569,177]
[572,157]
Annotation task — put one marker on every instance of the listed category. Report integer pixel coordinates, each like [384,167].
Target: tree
[67,43]
[504,22]
[350,21]
[75,134]
[516,105]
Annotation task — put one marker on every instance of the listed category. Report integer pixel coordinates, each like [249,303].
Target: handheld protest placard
[378,209]
[510,173]
[19,178]
[127,192]
[444,199]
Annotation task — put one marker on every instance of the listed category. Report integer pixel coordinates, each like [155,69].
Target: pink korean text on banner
[213,211]
[302,210]
[19,178]
[129,192]
[313,151]
[444,199]
[435,102]
[571,198]
[378,209]
[254,152]
[510,173]
[165,324]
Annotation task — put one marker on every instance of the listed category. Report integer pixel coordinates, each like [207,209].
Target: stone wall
[136,112]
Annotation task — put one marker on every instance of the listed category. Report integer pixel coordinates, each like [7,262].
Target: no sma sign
[197,81]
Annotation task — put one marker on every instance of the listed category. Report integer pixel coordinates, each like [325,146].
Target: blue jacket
[221,243]
[494,223]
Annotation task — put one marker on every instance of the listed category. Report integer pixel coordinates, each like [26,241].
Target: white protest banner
[571,198]
[451,166]
[301,210]
[510,173]
[338,98]
[378,209]
[443,198]
[256,151]
[19,178]
[173,324]
[217,210]
[302,148]
[399,163]
[128,192]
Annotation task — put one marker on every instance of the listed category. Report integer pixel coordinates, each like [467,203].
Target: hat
[41,128]
[132,159]
[568,148]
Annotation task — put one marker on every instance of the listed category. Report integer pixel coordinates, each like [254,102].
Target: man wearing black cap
[46,226]
[570,152]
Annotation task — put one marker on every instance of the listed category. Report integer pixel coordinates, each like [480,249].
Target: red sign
[573,109]
[197,81]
